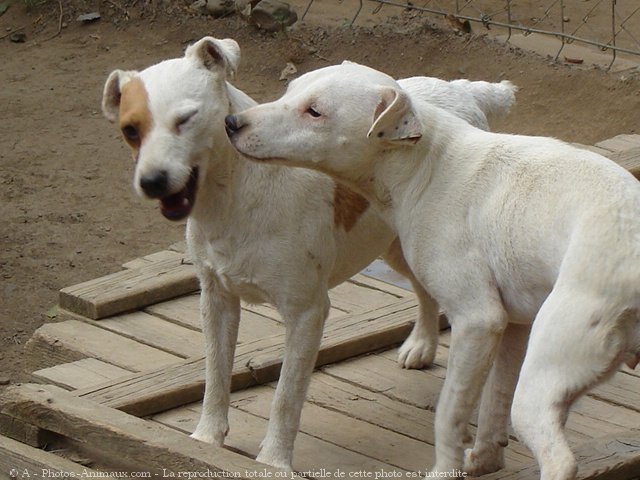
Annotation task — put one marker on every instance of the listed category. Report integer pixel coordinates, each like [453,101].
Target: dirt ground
[69,212]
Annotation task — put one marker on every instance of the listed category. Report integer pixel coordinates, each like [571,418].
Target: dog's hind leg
[487,455]
[574,344]
[220,314]
[476,331]
[304,326]
[419,349]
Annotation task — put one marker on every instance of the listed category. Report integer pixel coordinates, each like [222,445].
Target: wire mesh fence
[610,25]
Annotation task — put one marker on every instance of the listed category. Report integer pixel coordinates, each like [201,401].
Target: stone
[273,15]
[216,8]
[220,8]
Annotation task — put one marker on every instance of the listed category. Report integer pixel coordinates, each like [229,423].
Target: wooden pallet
[123,370]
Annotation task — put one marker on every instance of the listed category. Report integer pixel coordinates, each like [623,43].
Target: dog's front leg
[303,335]
[220,313]
[419,349]
[475,336]
[487,455]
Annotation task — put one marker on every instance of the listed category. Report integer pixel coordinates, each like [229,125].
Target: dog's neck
[226,182]
[223,170]
[402,174]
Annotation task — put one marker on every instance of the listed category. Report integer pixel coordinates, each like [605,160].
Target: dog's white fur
[510,234]
[261,233]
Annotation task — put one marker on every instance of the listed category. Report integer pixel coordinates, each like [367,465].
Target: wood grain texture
[130,289]
[72,340]
[611,457]
[80,374]
[256,362]
[125,438]
[30,462]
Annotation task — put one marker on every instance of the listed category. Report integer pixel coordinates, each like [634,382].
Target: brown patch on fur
[134,112]
[348,207]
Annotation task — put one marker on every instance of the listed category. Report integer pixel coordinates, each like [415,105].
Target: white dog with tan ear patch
[506,232]
[258,232]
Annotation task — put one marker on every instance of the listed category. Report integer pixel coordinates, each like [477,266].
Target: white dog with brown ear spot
[510,234]
[260,233]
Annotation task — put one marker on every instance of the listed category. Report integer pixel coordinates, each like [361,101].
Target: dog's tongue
[176,206]
[179,205]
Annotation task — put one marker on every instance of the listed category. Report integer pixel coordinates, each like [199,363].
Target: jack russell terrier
[262,233]
[528,244]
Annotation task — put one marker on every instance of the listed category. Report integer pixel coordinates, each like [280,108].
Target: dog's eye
[131,133]
[183,119]
[313,112]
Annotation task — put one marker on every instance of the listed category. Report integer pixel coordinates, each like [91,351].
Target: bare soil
[69,212]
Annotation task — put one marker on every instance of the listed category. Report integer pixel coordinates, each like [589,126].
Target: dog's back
[539,202]
[478,102]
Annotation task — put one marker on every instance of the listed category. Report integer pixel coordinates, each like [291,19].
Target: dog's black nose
[231,124]
[155,184]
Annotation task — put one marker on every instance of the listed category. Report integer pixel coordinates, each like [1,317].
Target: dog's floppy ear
[394,120]
[215,54]
[113,92]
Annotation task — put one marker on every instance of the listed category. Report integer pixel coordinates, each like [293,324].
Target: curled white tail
[476,102]
[494,99]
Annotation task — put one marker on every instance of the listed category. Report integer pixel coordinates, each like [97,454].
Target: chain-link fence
[611,25]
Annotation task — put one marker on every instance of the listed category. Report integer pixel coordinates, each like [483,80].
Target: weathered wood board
[71,340]
[83,373]
[18,460]
[611,457]
[130,289]
[310,452]
[255,362]
[131,441]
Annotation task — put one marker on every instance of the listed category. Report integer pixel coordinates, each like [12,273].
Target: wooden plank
[622,389]
[373,407]
[612,457]
[72,340]
[351,297]
[121,437]
[185,311]
[620,143]
[592,416]
[269,311]
[378,409]
[161,256]
[589,417]
[130,289]
[381,375]
[23,432]
[421,388]
[348,432]
[18,460]
[155,332]
[310,453]
[381,271]
[376,284]
[629,159]
[85,373]
[256,362]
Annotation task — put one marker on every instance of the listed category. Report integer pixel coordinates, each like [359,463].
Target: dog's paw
[416,353]
[477,464]
[214,436]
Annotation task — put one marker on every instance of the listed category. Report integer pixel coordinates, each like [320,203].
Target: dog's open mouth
[179,205]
